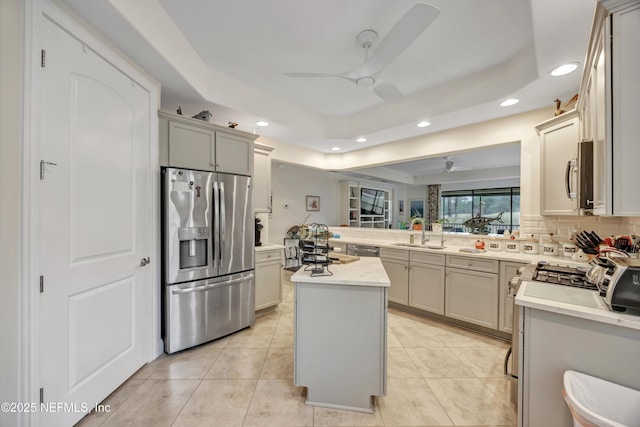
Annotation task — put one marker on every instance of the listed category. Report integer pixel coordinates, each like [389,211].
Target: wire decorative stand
[315,250]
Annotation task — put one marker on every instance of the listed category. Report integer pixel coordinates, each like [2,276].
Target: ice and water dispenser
[193,246]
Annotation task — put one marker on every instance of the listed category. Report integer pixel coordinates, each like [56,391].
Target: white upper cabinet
[196,144]
[234,153]
[608,103]
[558,164]
[262,178]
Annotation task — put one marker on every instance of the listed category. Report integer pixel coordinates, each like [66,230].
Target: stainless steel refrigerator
[208,256]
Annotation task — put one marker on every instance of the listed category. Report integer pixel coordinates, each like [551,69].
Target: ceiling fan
[449,165]
[398,39]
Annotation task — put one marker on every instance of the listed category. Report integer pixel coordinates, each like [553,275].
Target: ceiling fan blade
[309,75]
[387,91]
[399,38]
[351,79]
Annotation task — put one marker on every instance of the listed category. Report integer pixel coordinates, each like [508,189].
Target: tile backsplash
[561,225]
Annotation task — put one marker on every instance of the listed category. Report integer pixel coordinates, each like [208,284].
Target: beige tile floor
[438,375]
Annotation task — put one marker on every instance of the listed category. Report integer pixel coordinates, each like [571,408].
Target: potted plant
[417,223]
[437,226]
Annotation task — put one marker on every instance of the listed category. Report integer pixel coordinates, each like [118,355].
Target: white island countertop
[574,302]
[268,247]
[367,271]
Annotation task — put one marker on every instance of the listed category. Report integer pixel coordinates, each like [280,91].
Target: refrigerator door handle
[223,215]
[212,285]
[216,218]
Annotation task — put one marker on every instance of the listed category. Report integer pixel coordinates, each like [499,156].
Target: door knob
[145,261]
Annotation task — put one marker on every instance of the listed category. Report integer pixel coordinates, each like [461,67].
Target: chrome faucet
[425,238]
[442,237]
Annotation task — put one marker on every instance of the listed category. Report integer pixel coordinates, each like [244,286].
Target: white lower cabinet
[552,343]
[426,282]
[508,269]
[396,264]
[268,278]
[472,296]
[467,288]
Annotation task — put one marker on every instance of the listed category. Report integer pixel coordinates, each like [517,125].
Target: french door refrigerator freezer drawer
[201,311]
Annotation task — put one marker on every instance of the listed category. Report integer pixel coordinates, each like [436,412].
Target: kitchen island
[340,334]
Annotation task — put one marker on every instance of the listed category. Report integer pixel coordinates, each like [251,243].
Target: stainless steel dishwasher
[362,250]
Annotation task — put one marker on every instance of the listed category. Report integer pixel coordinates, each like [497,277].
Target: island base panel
[340,344]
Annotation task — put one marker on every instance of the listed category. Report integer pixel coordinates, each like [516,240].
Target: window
[371,201]
[459,206]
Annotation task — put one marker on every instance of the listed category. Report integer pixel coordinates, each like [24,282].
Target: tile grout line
[253,393]
[187,401]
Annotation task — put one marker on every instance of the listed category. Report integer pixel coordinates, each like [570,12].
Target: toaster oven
[620,284]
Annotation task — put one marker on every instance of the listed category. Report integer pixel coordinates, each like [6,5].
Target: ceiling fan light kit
[365,81]
[404,32]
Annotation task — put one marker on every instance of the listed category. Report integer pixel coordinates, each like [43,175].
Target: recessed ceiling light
[564,69]
[423,124]
[335,149]
[262,123]
[508,102]
[361,140]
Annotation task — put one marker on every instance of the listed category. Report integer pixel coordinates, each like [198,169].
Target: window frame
[476,201]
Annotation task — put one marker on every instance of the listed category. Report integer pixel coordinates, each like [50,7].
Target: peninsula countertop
[364,272]
[574,302]
[453,249]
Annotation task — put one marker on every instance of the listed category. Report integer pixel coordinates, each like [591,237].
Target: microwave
[584,192]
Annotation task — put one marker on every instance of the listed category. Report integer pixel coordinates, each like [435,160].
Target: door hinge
[43,56]
[41,395]
[41,284]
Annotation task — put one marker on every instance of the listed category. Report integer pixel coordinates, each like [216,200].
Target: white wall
[290,184]
[11,63]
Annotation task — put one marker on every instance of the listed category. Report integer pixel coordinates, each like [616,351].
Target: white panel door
[94,226]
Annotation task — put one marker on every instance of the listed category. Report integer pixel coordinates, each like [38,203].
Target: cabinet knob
[470,263]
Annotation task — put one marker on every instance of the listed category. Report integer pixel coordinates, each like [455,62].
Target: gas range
[561,275]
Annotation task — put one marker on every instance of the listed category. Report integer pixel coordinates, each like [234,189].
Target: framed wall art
[313,203]
[417,208]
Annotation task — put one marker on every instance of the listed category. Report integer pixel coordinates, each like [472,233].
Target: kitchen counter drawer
[400,254]
[473,263]
[269,255]
[427,258]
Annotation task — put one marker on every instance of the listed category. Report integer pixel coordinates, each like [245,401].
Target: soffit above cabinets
[230,57]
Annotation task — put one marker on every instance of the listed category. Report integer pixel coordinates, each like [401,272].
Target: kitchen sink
[418,245]
[409,245]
